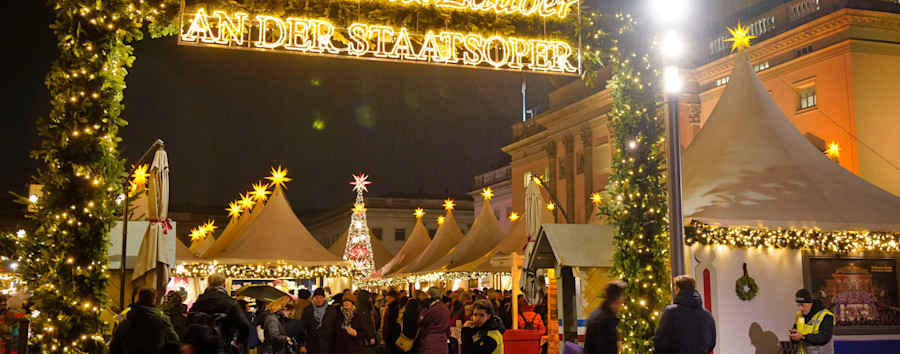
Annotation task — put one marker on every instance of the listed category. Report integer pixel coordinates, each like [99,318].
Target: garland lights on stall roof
[841,242]
[263,271]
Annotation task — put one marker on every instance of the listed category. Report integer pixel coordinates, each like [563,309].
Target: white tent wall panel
[742,326]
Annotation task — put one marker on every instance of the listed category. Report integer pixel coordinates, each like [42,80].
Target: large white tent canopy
[515,241]
[417,242]
[446,237]
[485,233]
[750,167]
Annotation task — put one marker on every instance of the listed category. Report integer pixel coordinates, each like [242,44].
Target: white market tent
[446,237]
[485,233]
[750,167]
[273,234]
[183,254]
[515,241]
[417,242]
[381,255]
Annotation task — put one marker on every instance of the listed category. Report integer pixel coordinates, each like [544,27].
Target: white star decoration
[360,182]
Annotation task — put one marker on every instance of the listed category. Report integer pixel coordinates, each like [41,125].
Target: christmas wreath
[745,286]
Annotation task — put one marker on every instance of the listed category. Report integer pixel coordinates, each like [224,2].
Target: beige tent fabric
[183,254]
[750,167]
[515,241]
[235,229]
[417,242]
[275,235]
[381,255]
[485,233]
[446,237]
[152,266]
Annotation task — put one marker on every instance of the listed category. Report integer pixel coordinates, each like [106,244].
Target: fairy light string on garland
[841,242]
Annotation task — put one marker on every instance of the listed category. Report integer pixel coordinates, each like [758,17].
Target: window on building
[722,80]
[806,95]
[803,51]
[399,234]
[761,66]
[377,232]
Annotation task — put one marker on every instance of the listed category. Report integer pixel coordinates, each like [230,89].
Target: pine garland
[636,206]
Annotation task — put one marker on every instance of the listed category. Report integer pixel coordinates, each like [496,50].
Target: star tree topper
[740,38]
[360,182]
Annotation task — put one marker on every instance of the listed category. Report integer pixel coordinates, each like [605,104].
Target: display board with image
[861,292]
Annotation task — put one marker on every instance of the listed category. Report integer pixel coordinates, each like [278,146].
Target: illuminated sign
[239,30]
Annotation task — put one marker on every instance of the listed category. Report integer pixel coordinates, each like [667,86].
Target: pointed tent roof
[417,242]
[513,242]
[485,233]
[750,167]
[381,254]
[183,254]
[235,227]
[446,237]
[276,235]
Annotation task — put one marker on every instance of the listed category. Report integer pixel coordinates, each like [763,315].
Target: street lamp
[670,13]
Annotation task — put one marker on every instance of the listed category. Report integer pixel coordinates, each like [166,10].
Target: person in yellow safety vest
[813,325]
[484,333]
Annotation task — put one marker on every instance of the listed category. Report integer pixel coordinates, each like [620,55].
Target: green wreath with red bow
[745,287]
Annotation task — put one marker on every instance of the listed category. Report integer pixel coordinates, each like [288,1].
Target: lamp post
[157,145]
[670,12]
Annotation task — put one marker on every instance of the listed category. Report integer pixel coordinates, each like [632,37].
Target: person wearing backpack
[528,319]
[216,300]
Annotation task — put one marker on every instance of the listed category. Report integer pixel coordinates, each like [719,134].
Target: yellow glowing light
[140,175]
[596,198]
[234,209]
[260,192]
[487,193]
[359,208]
[543,8]
[514,216]
[209,227]
[833,151]
[419,213]
[740,38]
[196,234]
[440,220]
[448,204]
[551,206]
[247,202]
[383,42]
[279,177]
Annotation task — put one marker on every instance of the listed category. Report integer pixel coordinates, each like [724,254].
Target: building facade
[500,182]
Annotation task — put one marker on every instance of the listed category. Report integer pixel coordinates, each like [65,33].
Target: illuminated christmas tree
[359,242]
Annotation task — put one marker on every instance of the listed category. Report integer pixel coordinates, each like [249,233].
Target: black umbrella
[261,292]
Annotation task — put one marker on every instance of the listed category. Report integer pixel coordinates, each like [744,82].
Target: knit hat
[318,292]
[348,298]
[803,296]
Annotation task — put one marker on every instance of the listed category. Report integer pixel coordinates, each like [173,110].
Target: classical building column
[587,144]
[694,118]
[569,174]
[550,148]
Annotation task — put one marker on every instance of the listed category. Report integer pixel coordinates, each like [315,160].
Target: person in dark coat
[409,321]
[484,333]
[349,328]
[145,329]
[813,325]
[272,321]
[685,327]
[172,307]
[367,313]
[215,299]
[601,336]
[318,321]
[390,328]
[434,324]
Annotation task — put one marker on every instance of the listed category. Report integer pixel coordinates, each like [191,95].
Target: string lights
[263,271]
[842,242]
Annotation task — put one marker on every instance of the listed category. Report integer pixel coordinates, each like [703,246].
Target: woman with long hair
[276,339]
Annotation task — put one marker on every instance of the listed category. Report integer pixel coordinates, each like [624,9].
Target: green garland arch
[64,257]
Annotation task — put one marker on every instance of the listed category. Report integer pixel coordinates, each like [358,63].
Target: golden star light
[440,220]
[140,175]
[596,198]
[234,209]
[260,192]
[740,38]
[448,204]
[551,206]
[833,151]
[514,216]
[419,213]
[487,193]
[247,202]
[209,227]
[279,177]
[360,182]
[359,208]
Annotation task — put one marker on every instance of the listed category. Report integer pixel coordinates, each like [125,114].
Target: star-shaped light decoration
[833,151]
[246,202]
[551,206]
[359,208]
[360,182]
[209,227]
[487,193]
[197,233]
[514,216]
[740,38]
[234,209]
[260,192]
[596,198]
[419,213]
[448,204]
[139,178]
[279,177]
[440,220]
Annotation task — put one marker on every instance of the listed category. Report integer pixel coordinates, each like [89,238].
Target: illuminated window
[377,233]
[399,234]
[806,95]
[761,66]
[722,80]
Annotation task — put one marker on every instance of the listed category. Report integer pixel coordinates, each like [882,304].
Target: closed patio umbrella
[152,267]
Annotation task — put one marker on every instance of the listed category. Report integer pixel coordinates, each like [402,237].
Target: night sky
[226,116]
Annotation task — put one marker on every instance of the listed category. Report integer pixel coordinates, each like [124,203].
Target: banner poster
[861,292]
